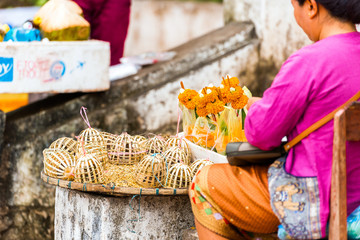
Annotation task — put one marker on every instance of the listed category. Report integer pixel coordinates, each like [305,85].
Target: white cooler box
[56,67]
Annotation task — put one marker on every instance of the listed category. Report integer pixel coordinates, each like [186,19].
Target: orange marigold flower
[235,93]
[200,101]
[240,103]
[231,82]
[215,107]
[210,94]
[202,112]
[187,98]
[225,92]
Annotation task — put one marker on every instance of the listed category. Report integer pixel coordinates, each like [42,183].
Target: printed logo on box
[6,69]
[57,70]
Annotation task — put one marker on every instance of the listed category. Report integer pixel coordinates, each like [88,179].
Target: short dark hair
[348,10]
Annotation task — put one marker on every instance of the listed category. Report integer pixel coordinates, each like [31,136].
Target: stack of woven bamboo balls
[159,162]
[83,160]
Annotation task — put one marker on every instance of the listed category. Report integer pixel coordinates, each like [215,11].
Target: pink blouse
[311,83]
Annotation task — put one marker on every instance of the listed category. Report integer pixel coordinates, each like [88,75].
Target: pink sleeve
[282,105]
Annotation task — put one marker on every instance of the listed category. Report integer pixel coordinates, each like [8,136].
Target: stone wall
[160,25]
[275,24]
[81,215]
[145,102]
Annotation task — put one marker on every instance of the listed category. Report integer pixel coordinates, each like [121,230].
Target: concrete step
[189,234]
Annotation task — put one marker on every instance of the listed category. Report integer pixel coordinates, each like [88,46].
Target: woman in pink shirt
[311,83]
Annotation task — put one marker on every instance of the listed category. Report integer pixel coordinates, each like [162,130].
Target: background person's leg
[112,26]
[109,21]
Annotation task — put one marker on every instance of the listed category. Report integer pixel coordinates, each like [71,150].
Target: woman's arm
[276,114]
[251,101]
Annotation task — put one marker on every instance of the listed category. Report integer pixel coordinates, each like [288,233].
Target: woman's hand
[251,101]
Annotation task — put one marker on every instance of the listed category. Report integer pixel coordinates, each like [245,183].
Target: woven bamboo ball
[173,141]
[65,143]
[166,136]
[199,164]
[126,151]
[93,143]
[109,139]
[179,176]
[176,155]
[179,142]
[140,139]
[155,144]
[151,171]
[89,170]
[59,163]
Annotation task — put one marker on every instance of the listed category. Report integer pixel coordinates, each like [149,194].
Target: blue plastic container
[23,35]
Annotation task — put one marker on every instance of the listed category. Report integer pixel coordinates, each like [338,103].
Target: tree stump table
[90,215]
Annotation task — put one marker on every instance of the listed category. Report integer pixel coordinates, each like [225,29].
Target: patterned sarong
[232,201]
[296,202]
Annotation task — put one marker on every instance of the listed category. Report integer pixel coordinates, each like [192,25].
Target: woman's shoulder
[308,52]
[328,48]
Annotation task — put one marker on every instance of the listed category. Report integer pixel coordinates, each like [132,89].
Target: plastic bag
[222,131]
[235,123]
[188,121]
[229,129]
[203,133]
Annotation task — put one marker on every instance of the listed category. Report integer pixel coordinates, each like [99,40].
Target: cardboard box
[56,67]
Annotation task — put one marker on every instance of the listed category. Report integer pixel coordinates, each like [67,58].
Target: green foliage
[224,128]
[243,116]
[212,126]
[40,2]
[21,3]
